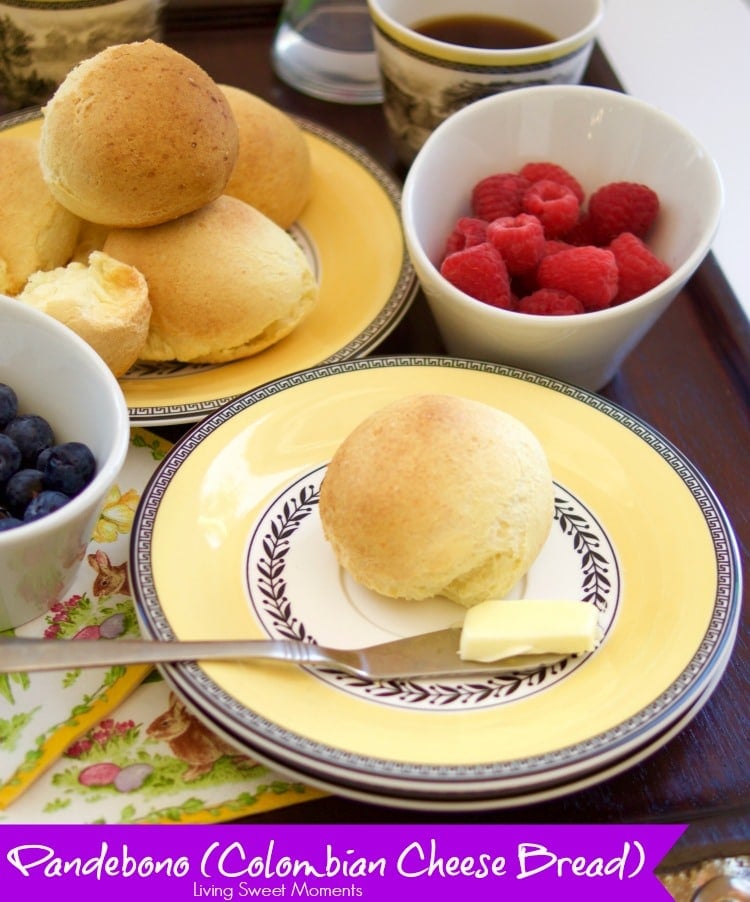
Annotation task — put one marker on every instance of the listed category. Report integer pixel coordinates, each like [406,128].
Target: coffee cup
[45,40]
[437,56]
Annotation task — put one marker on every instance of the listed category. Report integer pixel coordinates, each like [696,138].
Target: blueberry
[8,405]
[32,434]
[44,503]
[67,468]
[9,523]
[21,488]
[10,458]
[41,461]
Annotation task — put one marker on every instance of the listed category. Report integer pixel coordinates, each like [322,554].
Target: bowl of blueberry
[550,227]
[64,434]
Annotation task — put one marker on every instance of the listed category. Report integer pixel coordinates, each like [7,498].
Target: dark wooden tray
[689,378]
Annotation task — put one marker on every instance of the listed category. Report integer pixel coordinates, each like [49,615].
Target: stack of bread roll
[156,212]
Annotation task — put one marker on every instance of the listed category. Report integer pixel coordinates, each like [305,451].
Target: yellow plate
[228,543]
[351,233]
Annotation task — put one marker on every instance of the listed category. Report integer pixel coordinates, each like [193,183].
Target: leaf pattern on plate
[276,544]
[587,550]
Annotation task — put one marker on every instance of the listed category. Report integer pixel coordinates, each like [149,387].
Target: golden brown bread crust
[104,301]
[224,282]
[274,170]
[438,495]
[137,135]
[36,232]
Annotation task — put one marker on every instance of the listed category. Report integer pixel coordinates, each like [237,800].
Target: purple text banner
[241,862]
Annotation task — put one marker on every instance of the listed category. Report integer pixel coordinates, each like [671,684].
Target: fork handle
[20,654]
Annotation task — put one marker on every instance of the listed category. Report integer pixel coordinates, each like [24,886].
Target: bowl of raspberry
[64,434]
[550,227]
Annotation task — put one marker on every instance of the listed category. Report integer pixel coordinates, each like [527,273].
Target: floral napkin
[112,744]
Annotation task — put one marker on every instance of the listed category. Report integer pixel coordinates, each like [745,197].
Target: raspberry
[466,232]
[622,207]
[554,204]
[550,302]
[582,232]
[520,240]
[589,273]
[499,195]
[479,271]
[639,269]
[527,282]
[554,245]
[535,172]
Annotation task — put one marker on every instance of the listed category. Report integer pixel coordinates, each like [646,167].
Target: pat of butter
[493,630]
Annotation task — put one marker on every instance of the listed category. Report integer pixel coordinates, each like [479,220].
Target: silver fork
[432,654]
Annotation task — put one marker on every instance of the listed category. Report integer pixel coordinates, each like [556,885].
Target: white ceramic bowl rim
[107,470]
[507,57]
[677,276]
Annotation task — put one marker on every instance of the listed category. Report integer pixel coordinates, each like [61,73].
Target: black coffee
[486,32]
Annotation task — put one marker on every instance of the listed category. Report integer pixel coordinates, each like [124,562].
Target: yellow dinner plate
[228,543]
[351,233]
[542,792]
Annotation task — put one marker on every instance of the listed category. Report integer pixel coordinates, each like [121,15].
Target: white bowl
[58,376]
[600,136]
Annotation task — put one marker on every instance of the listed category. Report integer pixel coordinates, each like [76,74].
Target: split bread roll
[105,302]
[225,282]
[436,495]
[273,171]
[36,232]
[137,135]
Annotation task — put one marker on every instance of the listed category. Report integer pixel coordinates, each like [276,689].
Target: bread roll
[137,135]
[91,237]
[224,282]
[273,171]
[36,232]
[438,495]
[105,302]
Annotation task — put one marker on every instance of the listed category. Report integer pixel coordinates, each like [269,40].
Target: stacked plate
[227,543]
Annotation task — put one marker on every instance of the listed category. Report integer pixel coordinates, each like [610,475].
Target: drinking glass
[325,48]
